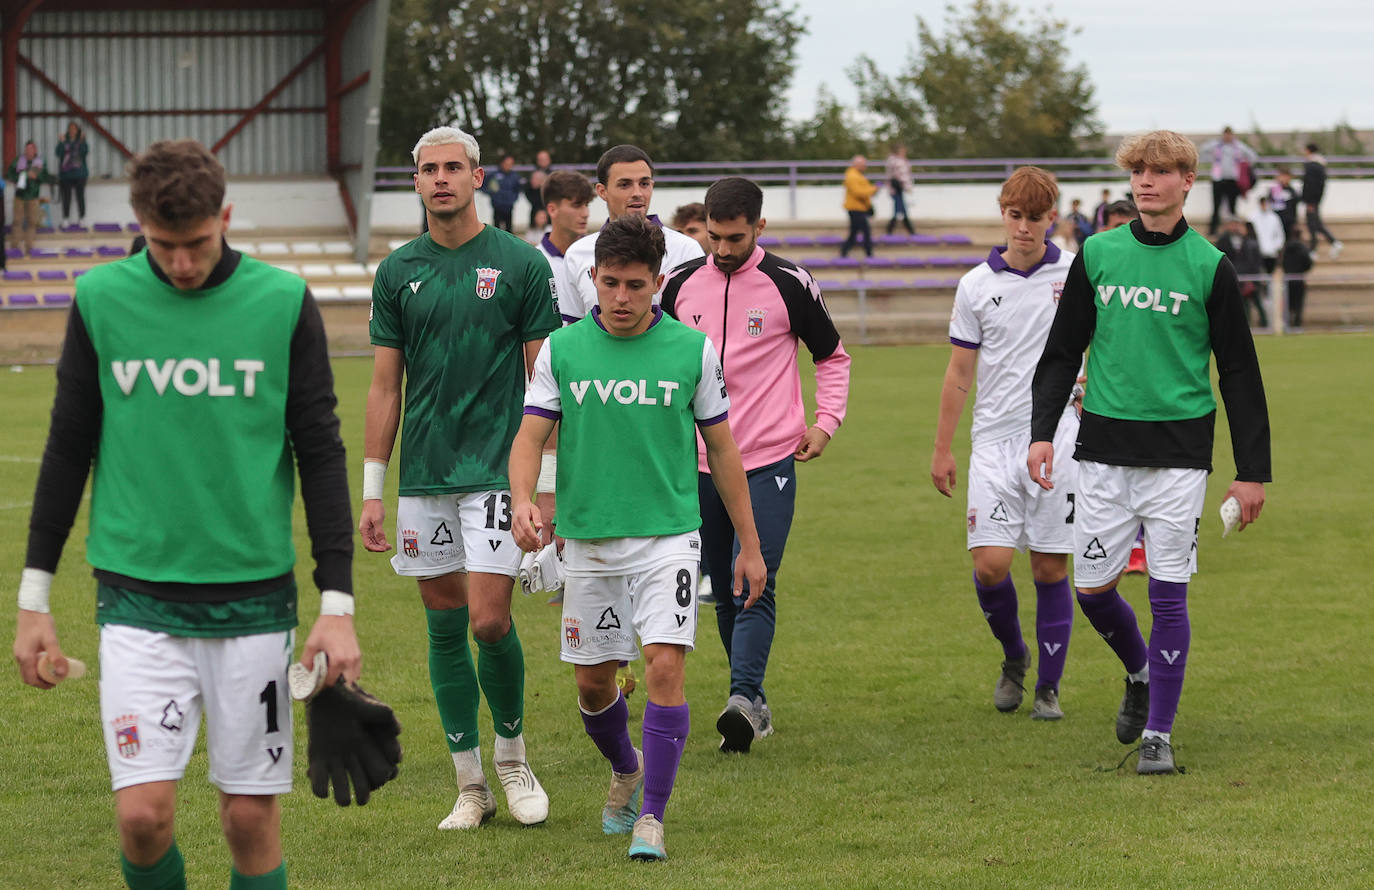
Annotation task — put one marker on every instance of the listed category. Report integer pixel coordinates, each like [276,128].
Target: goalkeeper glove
[351,736]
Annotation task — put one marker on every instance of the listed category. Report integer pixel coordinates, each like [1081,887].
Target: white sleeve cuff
[374,479]
[35,586]
[336,602]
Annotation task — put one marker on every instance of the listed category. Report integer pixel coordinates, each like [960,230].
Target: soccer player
[1002,314]
[1153,299]
[690,220]
[625,181]
[629,385]
[566,197]
[760,309]
[460,313]
[192,378]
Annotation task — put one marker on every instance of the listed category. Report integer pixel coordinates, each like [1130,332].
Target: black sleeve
[77,411]
[1072,330]
[807,315]
[1238,376]
[314,428]
[668,298]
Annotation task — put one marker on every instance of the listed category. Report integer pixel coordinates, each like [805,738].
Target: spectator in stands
[690,220]
[1242,249]
[1100,212]
[72,174]
[1297,261]
[858,202]
[1230,159]
[29,176]
[1119,213]
[543,166]
[1313,187]
[898,184]
[1081,225]
[1065,235]
[1284,199]
[1269,233]
[503,185]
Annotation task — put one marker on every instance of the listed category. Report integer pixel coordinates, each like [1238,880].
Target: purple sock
[1053,623]
[1169,638]
[999,608]
[1114,620]
[665,735]
[610,729]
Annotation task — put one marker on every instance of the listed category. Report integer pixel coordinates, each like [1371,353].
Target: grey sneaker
[736,725]
[1135,710]
[1046,705]
[1156,757]
[763,717]
[1336,248]
[1009,691]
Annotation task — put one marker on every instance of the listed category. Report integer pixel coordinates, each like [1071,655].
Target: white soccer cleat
[525,797]
[1230,516]
[622,800]
[647,843]
[476,805]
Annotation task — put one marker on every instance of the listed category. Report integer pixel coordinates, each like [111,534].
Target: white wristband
[548,474]
[34,588]
[336,602]
[374,479]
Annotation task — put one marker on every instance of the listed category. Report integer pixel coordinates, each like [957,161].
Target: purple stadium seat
[133,228]
[52,274]
[892,284]
[18,275]
[949,282]
[927,282]
[830,284]
[78,252]
[861,284]
[844,262]
[107,227]
[44,230]
[968,260]
[77,273]
[890,239]
[768,242]
[44,253]
[926,240]
[955,238]
[938,262]
[910,262]
[799,241]
[107,250]
[820,262]
[14,253]
[57,299]
[829,240]
[23,300]
[880,262]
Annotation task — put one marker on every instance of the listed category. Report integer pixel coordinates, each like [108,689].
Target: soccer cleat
[622,800]
[475,807]
[705,598]
[763,717]
[625,678]
[647,844]
[1135,710]
[1137,565]
[525,798]
[1046,705]
[1006,696]
[1156,757]
[1336,248]
[736,725]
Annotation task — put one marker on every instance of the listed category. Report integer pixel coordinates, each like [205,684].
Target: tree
[990,85]
[831,133]
[692,79]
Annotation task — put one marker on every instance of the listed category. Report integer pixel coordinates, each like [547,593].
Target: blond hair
[1160,148]
[449,136]
[1030,190]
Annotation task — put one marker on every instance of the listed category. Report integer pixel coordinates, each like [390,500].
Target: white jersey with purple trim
[577,291]
[556,261]
[1006,315]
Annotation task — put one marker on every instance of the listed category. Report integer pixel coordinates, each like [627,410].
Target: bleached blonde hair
[1161,148]
[449,136]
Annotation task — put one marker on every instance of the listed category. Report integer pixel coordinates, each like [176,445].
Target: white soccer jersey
[577,291]
[555,258]
[1006,315]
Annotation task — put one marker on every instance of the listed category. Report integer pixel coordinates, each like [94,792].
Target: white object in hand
[1230,516]
[76,669]
[304,681]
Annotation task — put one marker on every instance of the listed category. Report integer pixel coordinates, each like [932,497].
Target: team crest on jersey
[572,632]
[410,542]
[1058,287]
[755,317]
[973,520]
[126,735]
[486,282]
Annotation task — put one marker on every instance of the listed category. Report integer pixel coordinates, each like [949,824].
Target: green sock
[272,880]
[501,671]
[452,675]
[168,873]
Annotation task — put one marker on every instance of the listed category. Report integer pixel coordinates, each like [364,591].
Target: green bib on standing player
[194,387]
[462,317]
[1152,326]
[612,484]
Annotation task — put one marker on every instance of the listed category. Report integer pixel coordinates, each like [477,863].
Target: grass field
[890,767]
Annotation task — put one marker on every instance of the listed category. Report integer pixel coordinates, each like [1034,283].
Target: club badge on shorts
[572,633]
[126,735]
[486,282]
[410,543]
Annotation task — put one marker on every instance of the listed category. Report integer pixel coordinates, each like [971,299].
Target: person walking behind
[898,184]
[1227,154]
[72,174]
[1313,188]
[858,203]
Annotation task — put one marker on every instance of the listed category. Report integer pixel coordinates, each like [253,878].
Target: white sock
[1140,676]
[1152,734]
[468,765]
[509,749]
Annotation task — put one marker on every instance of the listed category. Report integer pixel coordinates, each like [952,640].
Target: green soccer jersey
[627,453]
[1151,347]
[461,318]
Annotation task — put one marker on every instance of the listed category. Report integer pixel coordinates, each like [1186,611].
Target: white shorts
[1007,509]
[445,533]
[154,686]
[1113,501]
[655,599]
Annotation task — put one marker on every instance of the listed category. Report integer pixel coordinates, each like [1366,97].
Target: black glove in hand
[351,736]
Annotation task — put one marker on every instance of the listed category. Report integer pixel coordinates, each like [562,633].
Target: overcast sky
[1190,65]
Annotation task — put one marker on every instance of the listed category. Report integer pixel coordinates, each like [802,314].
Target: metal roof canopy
[352,39]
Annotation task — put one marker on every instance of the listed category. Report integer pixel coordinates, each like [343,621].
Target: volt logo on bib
[190,376]
[1141,297]
[626,392]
